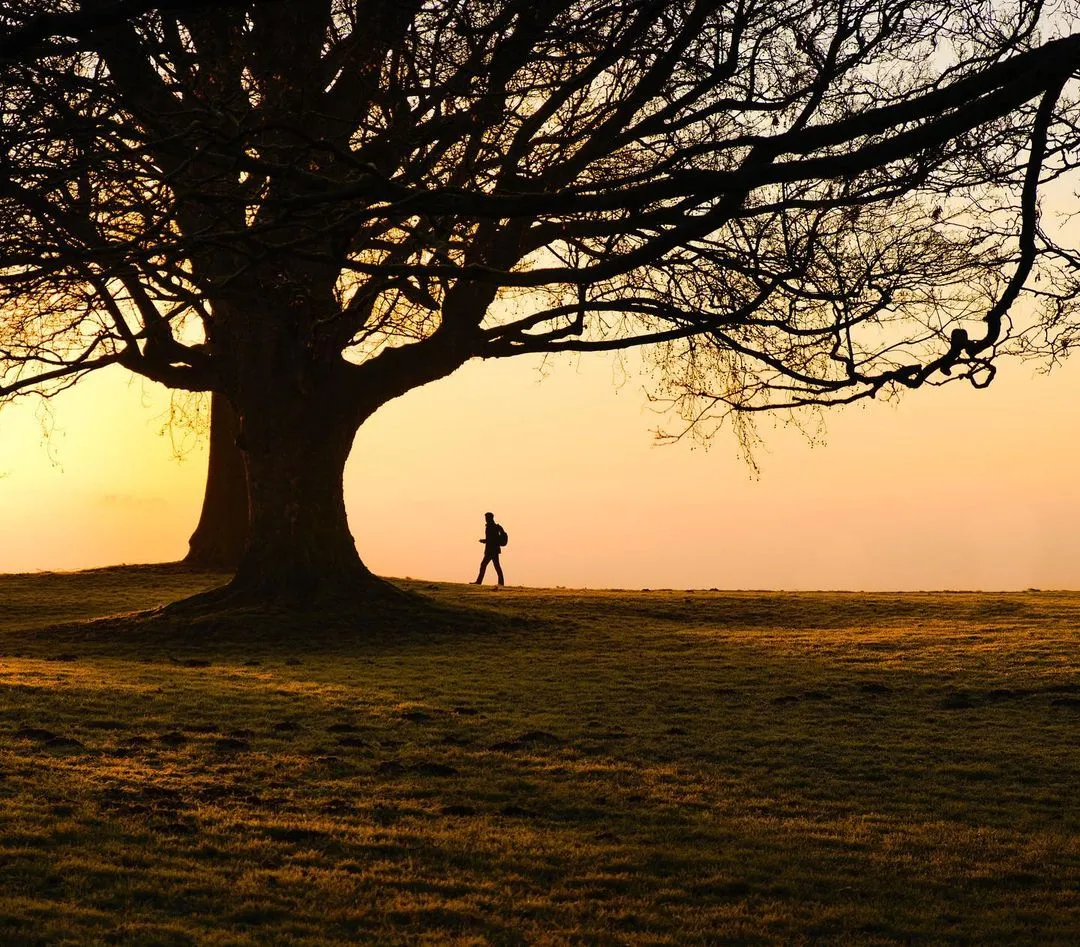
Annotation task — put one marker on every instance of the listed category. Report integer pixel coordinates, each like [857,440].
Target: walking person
[494,539]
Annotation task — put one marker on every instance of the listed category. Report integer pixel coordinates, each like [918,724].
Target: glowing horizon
[950,489]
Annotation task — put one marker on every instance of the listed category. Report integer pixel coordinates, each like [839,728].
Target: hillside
[537,765]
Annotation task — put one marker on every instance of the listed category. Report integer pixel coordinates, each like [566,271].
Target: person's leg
[498,569]
[483,569]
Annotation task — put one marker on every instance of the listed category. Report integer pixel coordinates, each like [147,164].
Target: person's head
[490,517]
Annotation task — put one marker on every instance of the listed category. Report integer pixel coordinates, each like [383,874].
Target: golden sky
[952,488]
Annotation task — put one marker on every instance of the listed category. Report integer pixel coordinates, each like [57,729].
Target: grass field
[539,766]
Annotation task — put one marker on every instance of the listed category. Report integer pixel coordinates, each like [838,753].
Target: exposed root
[361,592]
[235,621]
[220,621]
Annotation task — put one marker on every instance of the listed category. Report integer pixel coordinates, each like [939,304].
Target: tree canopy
[310,208]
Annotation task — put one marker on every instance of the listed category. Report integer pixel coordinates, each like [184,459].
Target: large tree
[311,207]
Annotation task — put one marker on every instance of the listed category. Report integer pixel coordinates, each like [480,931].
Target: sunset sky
[952,488]
[946,489]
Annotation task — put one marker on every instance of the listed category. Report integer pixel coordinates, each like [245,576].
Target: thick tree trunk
[300,550]
[298,413]
[222,534]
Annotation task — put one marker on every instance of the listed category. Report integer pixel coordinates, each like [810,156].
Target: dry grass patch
[538,766]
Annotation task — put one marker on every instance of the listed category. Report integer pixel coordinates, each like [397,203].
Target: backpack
[503,538]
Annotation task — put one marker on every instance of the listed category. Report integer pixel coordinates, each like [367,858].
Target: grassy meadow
[531,766]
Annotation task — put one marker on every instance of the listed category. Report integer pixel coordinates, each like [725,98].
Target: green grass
[539,766]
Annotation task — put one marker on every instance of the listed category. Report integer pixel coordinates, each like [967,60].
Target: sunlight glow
[951,488]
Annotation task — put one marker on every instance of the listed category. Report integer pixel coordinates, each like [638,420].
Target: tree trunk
[298,414]
[222,534]
[300,550]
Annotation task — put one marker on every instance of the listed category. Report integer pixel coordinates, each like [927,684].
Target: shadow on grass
[43,623]
[527,765]
[804,611]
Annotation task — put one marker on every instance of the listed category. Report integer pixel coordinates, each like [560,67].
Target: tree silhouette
[221,534]
[311,208]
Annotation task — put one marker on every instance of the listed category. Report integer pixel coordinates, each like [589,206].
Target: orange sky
[953,488]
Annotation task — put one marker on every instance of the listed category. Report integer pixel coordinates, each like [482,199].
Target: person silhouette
[493,542]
